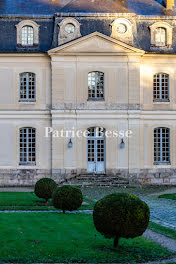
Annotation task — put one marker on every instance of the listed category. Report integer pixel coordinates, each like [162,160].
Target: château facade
[87,65]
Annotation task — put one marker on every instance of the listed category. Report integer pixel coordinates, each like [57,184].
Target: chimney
[170,4]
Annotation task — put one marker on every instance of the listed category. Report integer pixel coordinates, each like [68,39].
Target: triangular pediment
[95,43]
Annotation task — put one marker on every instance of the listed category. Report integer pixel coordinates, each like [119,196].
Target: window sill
[161,48]
[97,100]
[27,166]
[162,165]
[27,102]
[161,102]
[20,46]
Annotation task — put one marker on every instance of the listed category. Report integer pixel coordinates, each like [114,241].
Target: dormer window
[27,34]
[161,35]
[122,30]
[69,29]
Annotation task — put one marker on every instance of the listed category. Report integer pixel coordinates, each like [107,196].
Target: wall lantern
[70,143]
[122,144]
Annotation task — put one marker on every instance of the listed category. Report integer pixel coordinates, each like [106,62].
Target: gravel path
[165,261]
[162,211]
[164,241]
[16,189]
[49,211]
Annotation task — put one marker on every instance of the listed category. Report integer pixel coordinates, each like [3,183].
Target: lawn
[53,237]
[29,201]
[171,196]
[163,230]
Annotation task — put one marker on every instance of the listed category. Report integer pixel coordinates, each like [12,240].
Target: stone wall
[22,177]
[135,177]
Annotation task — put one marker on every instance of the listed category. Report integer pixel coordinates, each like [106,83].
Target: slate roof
[49,13]
[49,7]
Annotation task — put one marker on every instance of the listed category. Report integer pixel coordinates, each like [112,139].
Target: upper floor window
[161,145]
[27,87]
[96,85]
[161,87]
[27,36]
[27,146]
[160,37]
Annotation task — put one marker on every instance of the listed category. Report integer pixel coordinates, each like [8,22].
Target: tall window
[161,87]
[27,36]
[162,145]
[27,146]
[27,87]
[160,37]
[96,85]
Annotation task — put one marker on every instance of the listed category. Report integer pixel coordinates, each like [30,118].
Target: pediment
[95,43]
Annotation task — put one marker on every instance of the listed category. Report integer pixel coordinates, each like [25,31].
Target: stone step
[96,185]
[95,178]
[91,180]
[98,182]
[103,178]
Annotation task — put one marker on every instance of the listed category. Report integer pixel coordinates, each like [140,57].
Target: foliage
[171,196]
[67,198]
[121,215]
[44,188]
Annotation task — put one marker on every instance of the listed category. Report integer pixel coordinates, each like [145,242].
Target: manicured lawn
[53,237]
[29,201]
[163,230]
[171,196]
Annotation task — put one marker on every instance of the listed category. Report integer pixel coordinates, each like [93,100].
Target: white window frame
[161,145]
[30,87]
[162,33]
[95,85]
[27,38]
[26,145]
[161,84]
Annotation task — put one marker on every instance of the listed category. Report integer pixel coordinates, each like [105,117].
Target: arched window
[27,36]
[161,145]
[160,37]
[27,146]
[27,87]
[96,85]
[161,87]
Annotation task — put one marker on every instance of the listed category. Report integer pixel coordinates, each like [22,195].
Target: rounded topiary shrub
[67,198]
[121,215]
[44,188]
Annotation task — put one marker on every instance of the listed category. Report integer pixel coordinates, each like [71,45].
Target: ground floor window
[161,145]
[27,146]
